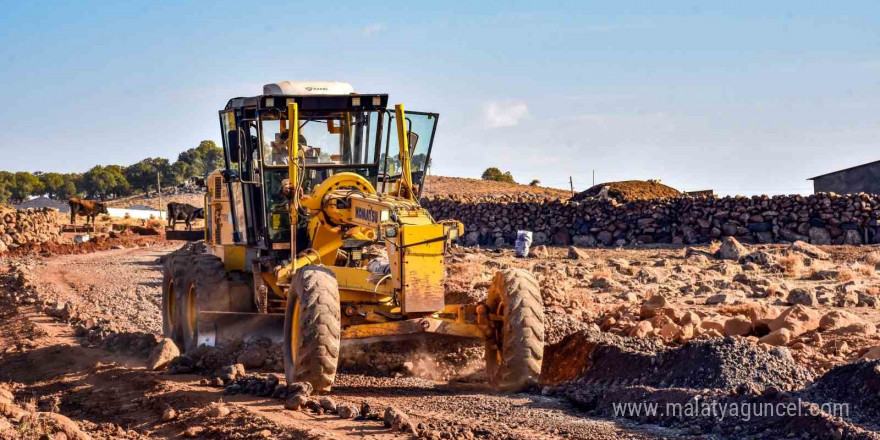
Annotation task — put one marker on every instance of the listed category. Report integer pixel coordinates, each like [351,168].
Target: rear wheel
[312,328]
[515,353]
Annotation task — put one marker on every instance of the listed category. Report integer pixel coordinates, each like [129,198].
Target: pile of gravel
[720,363]
[856,384]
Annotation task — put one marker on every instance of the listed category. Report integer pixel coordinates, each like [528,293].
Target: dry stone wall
[822,219]
[30,226]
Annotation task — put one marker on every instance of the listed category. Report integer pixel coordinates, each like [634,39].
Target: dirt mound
[856,384]
[597,358]
[629,190]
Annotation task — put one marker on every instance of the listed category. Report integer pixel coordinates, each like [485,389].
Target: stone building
[861,178]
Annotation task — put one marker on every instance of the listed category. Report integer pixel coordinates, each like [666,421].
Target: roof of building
[845,169]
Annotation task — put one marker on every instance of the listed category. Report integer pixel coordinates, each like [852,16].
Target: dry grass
[846,274]
[863,269]
[792,265]
[714,246]
[873,258]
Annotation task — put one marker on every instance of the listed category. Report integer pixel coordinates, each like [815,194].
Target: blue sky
[742,97]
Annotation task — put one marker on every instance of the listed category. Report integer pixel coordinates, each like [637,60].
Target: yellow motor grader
[315,222]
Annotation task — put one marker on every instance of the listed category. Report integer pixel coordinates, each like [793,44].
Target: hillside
[445,186]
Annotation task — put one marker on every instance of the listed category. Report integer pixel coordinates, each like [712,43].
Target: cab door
[421,128]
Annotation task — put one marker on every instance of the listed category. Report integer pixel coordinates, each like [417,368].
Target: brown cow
[88,208]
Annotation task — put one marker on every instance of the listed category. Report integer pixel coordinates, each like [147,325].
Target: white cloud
[375,28]
[497,114]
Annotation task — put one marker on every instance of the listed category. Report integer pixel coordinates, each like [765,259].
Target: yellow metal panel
[422,262]
[354,278]
[233,257]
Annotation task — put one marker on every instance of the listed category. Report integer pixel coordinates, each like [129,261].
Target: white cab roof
[308,88]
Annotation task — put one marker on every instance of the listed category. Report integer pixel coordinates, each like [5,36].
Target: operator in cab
[278,153]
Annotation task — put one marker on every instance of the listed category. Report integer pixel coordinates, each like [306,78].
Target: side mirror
[413,141]
[233,145]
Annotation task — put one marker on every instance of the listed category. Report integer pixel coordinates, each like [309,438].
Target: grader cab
[315,235]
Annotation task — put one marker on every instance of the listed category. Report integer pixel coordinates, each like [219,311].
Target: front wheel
[207,289]
[516,350]
[312,328]
[170,320]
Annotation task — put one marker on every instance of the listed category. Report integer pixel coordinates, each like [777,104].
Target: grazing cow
[87,208]
[185,212]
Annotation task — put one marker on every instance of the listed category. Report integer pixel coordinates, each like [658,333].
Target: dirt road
[112,395]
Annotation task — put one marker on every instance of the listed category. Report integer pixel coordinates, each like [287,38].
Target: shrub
[496,175]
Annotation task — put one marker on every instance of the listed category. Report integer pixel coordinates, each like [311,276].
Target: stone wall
[819,219]
[31,226]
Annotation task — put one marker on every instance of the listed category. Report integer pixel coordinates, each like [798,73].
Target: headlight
[391,231]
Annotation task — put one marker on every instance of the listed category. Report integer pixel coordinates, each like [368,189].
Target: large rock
[253,358]
[808,250]
[804,296]
[852,238]
[797,319]
[820,236]
[63,424]
[761,313]
[777,337]
[836,319]
[577,254]
[737,327]
[731,249]
[162,354]
[652,306]
[584,241]
[642,329]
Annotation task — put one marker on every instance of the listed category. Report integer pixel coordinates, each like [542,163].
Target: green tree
[534,182]
[6,182]
[52,183]
[25,184]
[143,174]
[203,159]
[496,175]
[179,172]
[106,181]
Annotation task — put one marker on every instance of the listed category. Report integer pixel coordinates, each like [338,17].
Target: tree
[143,174]
[105,181]
[52,183]
[203,159]
[6,181]
[25,184]
[534,182]
[179,172]
[496,175]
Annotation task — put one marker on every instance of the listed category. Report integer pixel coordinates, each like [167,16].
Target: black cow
[88,208]
[185,212]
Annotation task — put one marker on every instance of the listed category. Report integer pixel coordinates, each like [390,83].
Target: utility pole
[594,178]
[571,183]
[159,189]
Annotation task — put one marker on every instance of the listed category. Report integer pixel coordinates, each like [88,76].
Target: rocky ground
[725,323]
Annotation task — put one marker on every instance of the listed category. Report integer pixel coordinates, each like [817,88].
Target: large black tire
[174,281]
[170,323]
[207,288]
[514,355]
[312,328]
